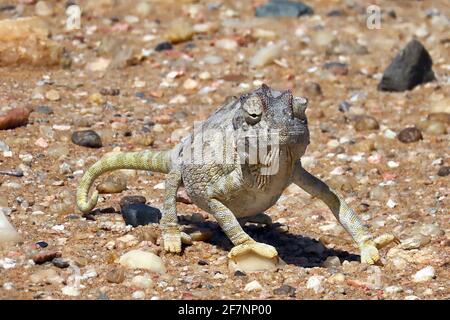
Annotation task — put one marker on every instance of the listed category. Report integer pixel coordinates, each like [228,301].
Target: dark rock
[283,8]
[42,244]
[44,109]
[163,46]
[140,95]
[344,106]
[411,67]
[44,256]
[87,138]
[138,214]
[109,92]
[60,263]
[285,290]
[411,134]
[335,13]
[239,273]
[132,200]
[313,89]
[337,68]
[444,171]
[203,262]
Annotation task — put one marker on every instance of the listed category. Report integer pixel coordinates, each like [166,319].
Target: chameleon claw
[262,249]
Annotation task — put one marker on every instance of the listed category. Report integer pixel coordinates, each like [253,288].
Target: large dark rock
[411,67]
[283,8]
[139,214]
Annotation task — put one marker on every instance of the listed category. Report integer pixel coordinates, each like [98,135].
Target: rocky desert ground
[80,79]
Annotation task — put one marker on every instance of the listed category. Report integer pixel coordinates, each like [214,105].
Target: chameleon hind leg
[169,221]
[242,241]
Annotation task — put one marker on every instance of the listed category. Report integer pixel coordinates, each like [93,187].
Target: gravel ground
[110,79]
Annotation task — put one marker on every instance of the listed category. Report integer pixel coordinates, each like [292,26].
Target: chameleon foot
[172,239]
[369,253]
[385,239]
[262,249]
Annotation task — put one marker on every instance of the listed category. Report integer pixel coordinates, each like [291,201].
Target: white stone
[267,55]
[393,289]
[8,234]
[390,134]
[138,259]
[142,282]
[424,274]
[70,291]
[227,44]
[315,283]
[391,203]
[138,295]
[253,286]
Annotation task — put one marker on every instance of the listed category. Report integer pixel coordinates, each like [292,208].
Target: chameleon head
[277,113]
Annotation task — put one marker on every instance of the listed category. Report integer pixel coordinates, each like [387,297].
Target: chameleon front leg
[344,214]
[169,222]
[242,241]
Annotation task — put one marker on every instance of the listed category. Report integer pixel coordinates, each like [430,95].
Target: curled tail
[157,161]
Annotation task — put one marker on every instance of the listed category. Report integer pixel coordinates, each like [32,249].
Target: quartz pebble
[8,234]
[266,55]
[142,282]
[315,283]
[138,259]
[253,286]
[424,274]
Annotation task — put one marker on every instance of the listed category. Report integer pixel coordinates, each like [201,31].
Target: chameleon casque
[232,190]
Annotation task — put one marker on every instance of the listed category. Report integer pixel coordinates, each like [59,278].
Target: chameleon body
[236,164]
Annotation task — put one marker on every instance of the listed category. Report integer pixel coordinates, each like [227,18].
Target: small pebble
[162,46]
[60,263]
[424,274]
[409,135]
[285,290]
[364,123]
[443,171]
[116,275]
[253,286]
[87,138]
[44,256]
[53,95]
[315,283]
[112,184]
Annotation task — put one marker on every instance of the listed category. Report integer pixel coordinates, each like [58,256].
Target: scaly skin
[234,191]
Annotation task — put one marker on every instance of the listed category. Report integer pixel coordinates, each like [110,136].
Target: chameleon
[235,165]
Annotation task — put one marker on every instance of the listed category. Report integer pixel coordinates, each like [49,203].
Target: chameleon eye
[299,106]
[253,110]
